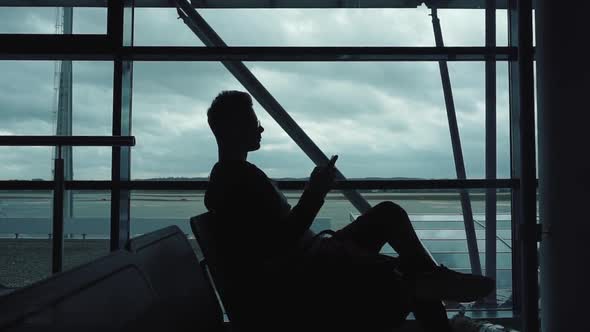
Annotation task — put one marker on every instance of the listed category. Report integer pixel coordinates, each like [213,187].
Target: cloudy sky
[383,119]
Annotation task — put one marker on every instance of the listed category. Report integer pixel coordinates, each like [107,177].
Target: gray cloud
[27,20]
[383,119]
[42,20]
[25,162]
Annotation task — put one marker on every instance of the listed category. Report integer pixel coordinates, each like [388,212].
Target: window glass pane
[87,226]
[462,27]
[29,93]
[154,209]
[437,217]
[26,227]
[27,97]
[29,100]
[25,244]
[26,163]
[382,119]
[501,27]
[90,21]
[388,119]
[161,27]
[468,87]
[176,206]
[92,163]
[36,163]
[502,120]
[314,27]
[170,103]
[169,121]
[92,98]
[49,20]
[28,20]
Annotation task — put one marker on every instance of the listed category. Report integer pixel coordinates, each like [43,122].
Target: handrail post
[58,213]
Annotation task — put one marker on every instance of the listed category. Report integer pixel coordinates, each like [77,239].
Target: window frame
[117,46]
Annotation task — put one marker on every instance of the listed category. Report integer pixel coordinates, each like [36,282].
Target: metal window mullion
[515,160]
[115,33]
[282,184]
[120,33]
[491,149]
[316,53]
[100,48]
[289,185]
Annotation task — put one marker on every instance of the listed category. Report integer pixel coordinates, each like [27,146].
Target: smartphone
[332,161]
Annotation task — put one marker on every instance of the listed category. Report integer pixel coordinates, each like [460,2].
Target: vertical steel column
[515,158]
[527,229]
[57,238]
[120,32]
[64,112]
[491,145]
[522,130]
[210,38]
[457,150]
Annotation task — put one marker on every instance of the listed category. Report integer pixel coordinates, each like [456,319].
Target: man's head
[233,121]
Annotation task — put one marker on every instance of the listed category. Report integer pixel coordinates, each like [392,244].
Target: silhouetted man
[336,279]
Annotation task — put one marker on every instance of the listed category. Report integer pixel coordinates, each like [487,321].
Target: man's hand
[321,179]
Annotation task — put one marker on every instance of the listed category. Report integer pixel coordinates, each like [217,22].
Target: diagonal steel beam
[491,149]
[457,150]
[210,38]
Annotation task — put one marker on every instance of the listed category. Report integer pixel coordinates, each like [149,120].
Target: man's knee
[391,217]
[390,208]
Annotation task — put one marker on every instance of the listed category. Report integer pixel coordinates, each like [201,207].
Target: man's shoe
[446,284]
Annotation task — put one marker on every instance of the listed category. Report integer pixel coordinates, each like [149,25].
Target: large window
[368,84]
[49,20]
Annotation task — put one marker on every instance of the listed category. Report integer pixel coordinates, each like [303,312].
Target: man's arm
[302,215]
[247,192]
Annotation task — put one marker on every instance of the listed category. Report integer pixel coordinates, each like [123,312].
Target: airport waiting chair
[102,295]
[180,282]
[242,313]
[202,227]
[317,316]
[6,290]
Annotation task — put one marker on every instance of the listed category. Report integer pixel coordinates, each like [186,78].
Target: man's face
[252,131]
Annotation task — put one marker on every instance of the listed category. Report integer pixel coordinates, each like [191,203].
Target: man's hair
[225,109]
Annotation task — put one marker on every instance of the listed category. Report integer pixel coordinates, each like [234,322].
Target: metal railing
[58,176]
